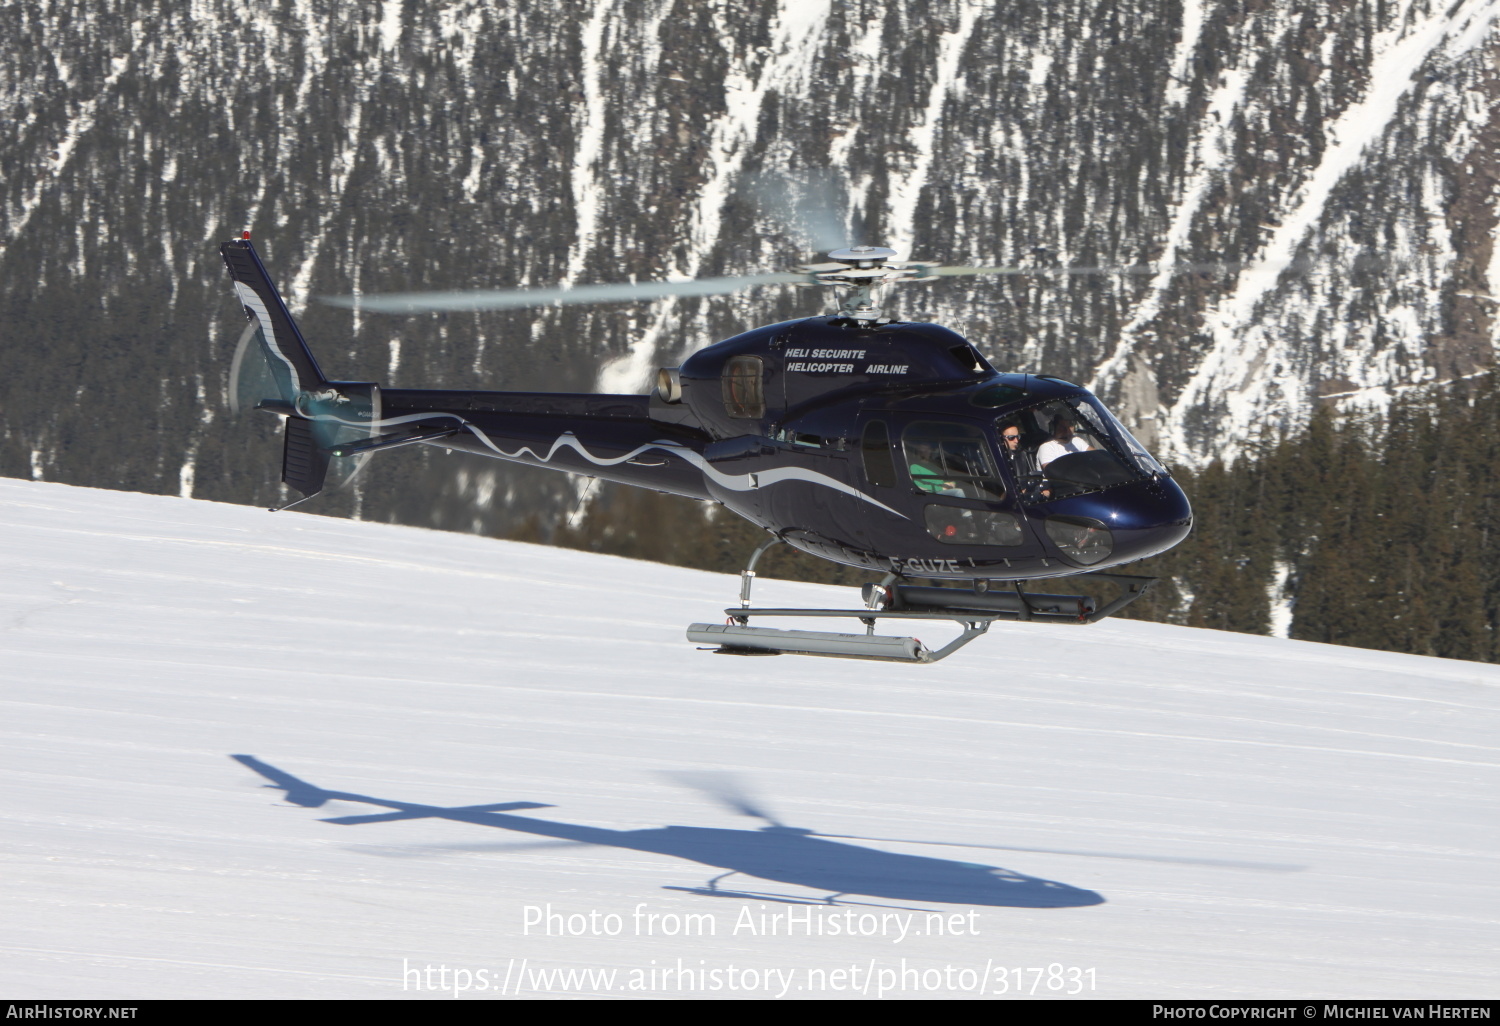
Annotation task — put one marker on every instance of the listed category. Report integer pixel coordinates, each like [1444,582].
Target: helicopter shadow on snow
[776,853]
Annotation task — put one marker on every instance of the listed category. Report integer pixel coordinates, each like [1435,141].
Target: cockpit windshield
[1071,446]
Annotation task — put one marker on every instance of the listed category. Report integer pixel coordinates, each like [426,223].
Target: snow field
[1211,815]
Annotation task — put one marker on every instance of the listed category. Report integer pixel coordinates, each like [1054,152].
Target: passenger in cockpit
[1023,466]
[925,461]
[1021,461]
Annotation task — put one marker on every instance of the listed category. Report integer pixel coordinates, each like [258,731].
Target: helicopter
[882,444]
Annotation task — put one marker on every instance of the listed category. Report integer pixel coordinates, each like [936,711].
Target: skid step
[732,637]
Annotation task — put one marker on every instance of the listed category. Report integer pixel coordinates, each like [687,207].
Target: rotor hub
[865,270]
[863,256]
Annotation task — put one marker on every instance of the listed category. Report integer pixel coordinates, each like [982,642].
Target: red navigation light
[245,235]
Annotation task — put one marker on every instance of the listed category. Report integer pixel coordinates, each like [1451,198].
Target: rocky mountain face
[1326,173]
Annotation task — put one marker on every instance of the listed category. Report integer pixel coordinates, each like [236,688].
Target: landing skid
[972,611]
[738,638]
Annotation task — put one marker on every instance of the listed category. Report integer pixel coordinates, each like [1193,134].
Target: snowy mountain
[1339,158]
[250,755]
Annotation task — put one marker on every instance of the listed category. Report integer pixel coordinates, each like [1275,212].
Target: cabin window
[875,446]
[951,459]
[744,388]
[958,526]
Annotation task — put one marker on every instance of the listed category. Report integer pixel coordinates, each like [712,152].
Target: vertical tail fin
[292,363]
[319,413]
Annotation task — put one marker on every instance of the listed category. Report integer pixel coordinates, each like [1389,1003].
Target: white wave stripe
[253,303]
[568,440]
[1227,381]
[734,482]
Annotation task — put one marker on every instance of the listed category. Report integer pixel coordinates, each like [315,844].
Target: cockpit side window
[951,459]
[743,382]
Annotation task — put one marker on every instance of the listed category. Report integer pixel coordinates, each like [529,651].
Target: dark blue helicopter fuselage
[874,445]
[817,430]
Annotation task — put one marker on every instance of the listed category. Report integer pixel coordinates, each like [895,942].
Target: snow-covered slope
[1175,812]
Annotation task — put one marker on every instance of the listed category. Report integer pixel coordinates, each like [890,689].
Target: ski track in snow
[78,126]
[298,294]
[1213,156]
[1220,815]
[1492,277]
[588,191]
[906,188]
[796,37]
[1230,369]
[1187,43]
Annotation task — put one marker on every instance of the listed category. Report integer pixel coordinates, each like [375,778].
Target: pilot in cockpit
[1062,442]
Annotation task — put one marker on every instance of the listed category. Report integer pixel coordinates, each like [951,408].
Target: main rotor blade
[430,302]
[807,204]
[1042,272]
